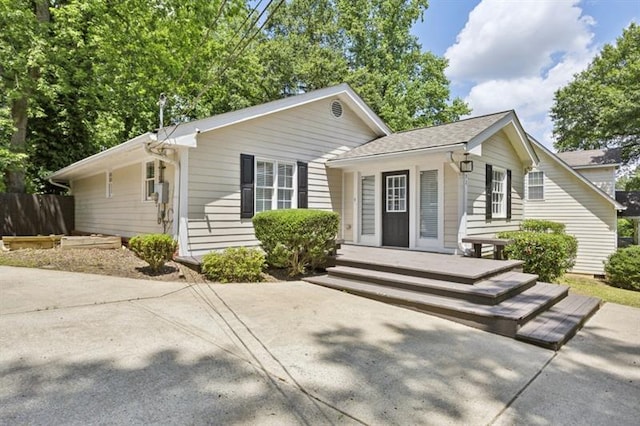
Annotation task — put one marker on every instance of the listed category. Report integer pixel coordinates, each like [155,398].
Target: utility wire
[210,28]
[234,55]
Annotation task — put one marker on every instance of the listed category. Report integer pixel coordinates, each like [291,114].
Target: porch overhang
[346,162]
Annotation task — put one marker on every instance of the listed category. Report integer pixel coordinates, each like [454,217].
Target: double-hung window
[535,185]
[109,191]
[498,193]
[274,185]
[149,180]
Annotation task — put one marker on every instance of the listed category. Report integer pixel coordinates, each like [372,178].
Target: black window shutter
[508,194]
[488,189]
[303,185]
[246,186]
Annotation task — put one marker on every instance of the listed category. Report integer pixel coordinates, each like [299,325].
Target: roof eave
[339,162]
[127,146]
[239,116]
[616,204]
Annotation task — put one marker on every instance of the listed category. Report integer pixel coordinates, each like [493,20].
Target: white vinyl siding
[308,133]
[498,152]
[535,185]
[587,215]
[368,209]
[429,207]
[602,177]
[124,213]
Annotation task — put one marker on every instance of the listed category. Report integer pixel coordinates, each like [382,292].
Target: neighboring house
[631,201]
[577,188]
[210,176]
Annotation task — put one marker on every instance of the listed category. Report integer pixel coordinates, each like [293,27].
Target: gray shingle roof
[591,157]
[631,200]
[428,137]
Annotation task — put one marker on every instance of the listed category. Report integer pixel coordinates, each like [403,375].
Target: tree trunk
[14,179]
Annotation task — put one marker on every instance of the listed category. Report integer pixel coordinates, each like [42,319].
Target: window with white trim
[535,185]
[149,180]
[498,193]
[274,185]
[109,189]
[397,193]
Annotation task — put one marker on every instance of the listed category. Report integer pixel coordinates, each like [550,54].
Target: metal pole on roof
[162,102]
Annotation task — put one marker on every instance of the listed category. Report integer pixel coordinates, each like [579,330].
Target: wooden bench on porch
[497,243]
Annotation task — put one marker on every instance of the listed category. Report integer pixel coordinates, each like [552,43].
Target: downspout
[51,181]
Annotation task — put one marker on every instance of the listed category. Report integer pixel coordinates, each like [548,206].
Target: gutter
[373,157]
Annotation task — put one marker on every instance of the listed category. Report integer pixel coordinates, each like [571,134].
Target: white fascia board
[596,166]
[392,155]
[103,156]
[567,167]
[342,91]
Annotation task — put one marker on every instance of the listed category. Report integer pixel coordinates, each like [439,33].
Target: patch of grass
[592,287]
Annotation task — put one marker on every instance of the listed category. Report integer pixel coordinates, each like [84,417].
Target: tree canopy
[600,107]
[80,76]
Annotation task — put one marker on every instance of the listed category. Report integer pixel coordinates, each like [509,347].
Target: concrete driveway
[84,349]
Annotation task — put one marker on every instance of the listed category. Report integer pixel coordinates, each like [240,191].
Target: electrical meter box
[162,189]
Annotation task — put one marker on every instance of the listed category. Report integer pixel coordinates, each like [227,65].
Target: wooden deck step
[435,266]
[504,318]
[562,321]
[490,291]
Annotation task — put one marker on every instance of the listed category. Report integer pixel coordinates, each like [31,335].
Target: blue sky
[514,54]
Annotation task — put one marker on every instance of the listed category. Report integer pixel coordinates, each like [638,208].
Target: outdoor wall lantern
[466,165]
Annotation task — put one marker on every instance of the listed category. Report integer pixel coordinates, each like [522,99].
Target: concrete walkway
[83,349]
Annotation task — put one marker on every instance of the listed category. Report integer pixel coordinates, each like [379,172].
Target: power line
[214,23]
[233,58]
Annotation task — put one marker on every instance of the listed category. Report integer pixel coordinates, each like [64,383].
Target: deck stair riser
[491,295]
[490,291]
[504,318]
[453,276]
[562,321]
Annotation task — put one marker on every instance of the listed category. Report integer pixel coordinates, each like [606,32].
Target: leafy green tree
[23,45]
[630,181]
[367,43]
[601,107]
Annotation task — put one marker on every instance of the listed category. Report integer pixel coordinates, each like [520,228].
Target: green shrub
[297,239]
[547,255]
[235,265]
[623,268]
[625,228]
[155,249]
[540,225]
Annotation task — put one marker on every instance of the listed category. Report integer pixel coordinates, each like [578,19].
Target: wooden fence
[32,214]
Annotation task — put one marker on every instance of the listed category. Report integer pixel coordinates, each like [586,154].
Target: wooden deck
[488,294]
[428,265]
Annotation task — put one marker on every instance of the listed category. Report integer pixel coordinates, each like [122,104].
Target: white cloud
[517,54]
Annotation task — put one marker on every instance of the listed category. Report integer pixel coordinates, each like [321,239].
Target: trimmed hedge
[297,239]
[622,268]
[155,249]
[234,264]
[547,255]
[540,225]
